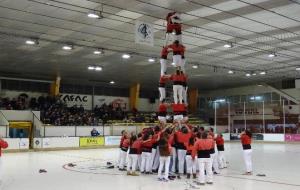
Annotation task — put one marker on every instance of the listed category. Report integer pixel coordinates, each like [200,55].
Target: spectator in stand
[94,133]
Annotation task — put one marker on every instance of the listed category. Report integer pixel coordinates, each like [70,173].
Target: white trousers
[174,156]
[146,159]
[221,159]
[162,119]
[182,67]
[154,159]
[132,162]
[163,66]
[177,59]
[139,161]
[214,162]
[123,156]
[1,171]
[177,94]
[248,159]
[190,165]
[162,93]
[205,164]
[184,94]
[164,161]
[181,157]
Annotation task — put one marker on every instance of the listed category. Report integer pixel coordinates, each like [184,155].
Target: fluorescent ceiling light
[91,67]
[30,42]
[230,72]
[262,73]
[248,75]
[297,68]
[98,51]
[93,15]
[98,68]
[195,66]
[126,56]
[271,55]
[67,47]
[151,60]
[112,82]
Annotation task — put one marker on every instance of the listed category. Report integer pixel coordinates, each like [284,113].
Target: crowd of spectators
[56,112]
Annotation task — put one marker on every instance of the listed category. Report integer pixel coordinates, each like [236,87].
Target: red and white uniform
[177,88]
[185,88]
[162,113]
[123,153]
[191,164]
[247,151]
[173,24]
[221,155]
[162,87]
[134,152]
[3,145]
[177,112]
[181,140]
[202,152]
[178,52]
[146,156]
[163,60]
[213,153]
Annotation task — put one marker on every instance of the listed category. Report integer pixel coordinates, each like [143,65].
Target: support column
[134,94]
[54,87]
[193,100]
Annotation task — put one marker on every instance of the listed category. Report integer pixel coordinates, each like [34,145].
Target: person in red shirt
[247,151]
[178,51]
[177,87]
[201,152]
[162,112]
[124,148]
[173,24]
[146,153]
[181,139]
[220,147]
[154,153]
[123,134]
[177,113]
[135,148]
[162,87]
[164,160]
[163,60]
[190,162]
[3,145]
[213,154]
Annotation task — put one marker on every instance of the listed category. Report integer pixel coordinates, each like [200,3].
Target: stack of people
[177,149]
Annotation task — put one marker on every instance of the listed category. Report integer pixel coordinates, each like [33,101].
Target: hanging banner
[144,33]
[77,99]
[292,137]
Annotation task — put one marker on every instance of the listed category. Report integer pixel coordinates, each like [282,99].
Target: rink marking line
[261,180]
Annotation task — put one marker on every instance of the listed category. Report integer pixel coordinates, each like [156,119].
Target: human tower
[178,148]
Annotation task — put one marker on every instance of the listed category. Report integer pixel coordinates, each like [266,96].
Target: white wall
[59,131]
[19,115]
[17,143]
[3,131]
[274,137]
[294,92]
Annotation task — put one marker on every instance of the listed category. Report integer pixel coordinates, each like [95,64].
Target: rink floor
[280,163]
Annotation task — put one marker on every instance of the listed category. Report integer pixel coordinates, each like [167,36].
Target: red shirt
[177,49]
[164,52]
[219,141]
[182,137]
[3,145]
[137,145]
[245,139]
[147,144]
[189,149]
[201,144]
[125,143]
[121,141]
[162,108]
[178,107]
[163,79]
[175,77]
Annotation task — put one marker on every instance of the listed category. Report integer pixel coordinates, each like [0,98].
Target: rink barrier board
[60,143]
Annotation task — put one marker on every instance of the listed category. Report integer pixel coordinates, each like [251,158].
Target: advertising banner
[292,137]
[91,141]
[112,140]
[77,99]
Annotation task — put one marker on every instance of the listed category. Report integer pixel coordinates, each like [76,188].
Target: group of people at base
[177,150]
